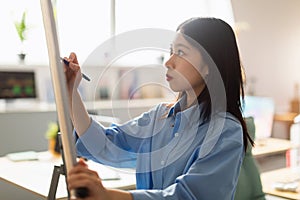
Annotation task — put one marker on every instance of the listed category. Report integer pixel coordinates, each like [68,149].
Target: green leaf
[52,130]
[21,27]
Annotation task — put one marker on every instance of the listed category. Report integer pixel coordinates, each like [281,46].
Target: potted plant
[21,28]
[52,136]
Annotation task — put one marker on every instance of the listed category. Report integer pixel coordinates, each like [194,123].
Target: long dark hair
[217,38]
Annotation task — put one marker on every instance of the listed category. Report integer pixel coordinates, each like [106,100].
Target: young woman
[191,149]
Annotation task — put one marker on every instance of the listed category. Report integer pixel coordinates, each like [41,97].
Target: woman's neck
[192,97]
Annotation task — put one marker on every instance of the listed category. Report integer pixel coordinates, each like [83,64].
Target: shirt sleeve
[117,145]
[212,177]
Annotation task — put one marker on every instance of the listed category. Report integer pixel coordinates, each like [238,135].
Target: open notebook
[262,109]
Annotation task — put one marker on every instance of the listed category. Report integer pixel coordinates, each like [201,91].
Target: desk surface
[286,174]
[271,146]
[35,176]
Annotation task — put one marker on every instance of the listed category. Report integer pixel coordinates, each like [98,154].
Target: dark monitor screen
[17,84]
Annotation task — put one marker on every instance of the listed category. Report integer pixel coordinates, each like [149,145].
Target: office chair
[249,184]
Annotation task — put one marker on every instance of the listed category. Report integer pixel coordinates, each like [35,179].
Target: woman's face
[185,66]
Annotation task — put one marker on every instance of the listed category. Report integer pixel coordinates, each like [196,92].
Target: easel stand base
[61,170]
[57,171]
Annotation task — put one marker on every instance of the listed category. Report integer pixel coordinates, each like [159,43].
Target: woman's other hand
[81,176]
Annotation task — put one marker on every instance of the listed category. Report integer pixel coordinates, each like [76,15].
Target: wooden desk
[270,146]
[285,174]
[35,176]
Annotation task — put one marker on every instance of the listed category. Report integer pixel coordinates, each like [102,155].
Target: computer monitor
[17,85]
[262,109]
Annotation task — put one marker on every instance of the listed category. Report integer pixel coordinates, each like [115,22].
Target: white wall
[270,47]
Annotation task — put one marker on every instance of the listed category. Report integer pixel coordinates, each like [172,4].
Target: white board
[59,85]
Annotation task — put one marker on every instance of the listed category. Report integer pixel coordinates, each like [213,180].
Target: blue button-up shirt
[177,155]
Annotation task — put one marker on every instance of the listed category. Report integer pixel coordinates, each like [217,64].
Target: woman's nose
[170,62]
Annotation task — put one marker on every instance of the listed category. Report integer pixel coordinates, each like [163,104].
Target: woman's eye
[180,53]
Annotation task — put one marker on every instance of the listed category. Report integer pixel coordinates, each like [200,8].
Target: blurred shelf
[270,146]
[285,117]
[33,106]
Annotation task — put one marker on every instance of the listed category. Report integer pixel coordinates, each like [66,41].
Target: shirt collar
[192,114]
[177,106]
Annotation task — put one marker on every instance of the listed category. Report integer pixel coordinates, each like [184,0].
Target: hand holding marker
[83,75]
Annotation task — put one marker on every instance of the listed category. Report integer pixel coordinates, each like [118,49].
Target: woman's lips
[168,77]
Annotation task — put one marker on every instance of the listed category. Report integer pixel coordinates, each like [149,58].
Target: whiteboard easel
[59,85]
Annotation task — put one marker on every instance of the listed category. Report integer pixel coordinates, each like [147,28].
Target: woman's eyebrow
[180,45]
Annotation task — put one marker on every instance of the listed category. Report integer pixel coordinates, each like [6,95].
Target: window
[167,14]
[83,25]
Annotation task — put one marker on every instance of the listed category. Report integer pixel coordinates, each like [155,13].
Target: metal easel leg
[54,183]
[57,171]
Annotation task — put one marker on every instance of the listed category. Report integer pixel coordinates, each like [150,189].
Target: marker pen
[83,75]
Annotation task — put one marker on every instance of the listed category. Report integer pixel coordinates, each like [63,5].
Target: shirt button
[176,134]
[172,125]
[162,162]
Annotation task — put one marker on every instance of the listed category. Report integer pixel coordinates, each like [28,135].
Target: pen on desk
[83,75]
